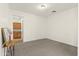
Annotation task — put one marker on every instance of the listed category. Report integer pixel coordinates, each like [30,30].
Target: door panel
[17,34]
[17,26]
[17,30]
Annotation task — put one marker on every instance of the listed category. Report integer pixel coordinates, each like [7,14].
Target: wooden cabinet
[17,30]
[17,34]
[17,26]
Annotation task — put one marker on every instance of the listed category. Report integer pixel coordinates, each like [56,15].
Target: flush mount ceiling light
[43,6]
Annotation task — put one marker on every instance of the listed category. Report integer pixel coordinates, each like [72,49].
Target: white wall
[32,25]
[63,26]
[78,28]
[3,21]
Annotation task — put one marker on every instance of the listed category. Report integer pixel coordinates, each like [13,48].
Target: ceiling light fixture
[43,6]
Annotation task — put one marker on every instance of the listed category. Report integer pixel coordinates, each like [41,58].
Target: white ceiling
[34,7]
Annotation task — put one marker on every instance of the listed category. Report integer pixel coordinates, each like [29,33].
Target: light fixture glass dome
[43,6]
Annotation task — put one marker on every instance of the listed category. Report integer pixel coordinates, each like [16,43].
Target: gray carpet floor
[44,47]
